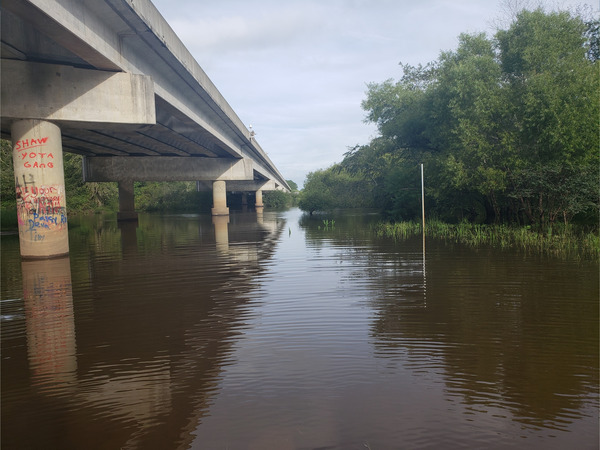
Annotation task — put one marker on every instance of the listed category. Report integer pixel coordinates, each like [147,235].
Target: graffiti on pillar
[31,154]
[39,208]
[27,144]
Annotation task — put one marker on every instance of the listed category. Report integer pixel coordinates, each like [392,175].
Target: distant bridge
[110,80]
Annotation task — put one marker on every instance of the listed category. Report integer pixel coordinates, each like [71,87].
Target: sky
[297,70]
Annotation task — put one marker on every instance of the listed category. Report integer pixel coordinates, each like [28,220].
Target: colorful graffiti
[39,208]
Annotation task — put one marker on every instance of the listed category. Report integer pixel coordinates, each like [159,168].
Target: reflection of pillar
[126,201]
[244,202]
[219,199]
[50,323]
[221,232]
[40,188]
[259,200]
[128,237]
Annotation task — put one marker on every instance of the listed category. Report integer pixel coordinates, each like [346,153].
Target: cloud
[245,29]
[297,70]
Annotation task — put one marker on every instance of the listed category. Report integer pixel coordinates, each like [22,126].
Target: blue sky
[297,70]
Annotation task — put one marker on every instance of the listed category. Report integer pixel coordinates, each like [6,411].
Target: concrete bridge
[110,80]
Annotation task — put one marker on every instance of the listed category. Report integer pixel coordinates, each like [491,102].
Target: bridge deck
[50,46]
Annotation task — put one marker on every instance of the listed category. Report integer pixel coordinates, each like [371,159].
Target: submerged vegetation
[328,224]
[562,241]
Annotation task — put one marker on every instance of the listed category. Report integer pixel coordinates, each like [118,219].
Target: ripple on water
[290,336]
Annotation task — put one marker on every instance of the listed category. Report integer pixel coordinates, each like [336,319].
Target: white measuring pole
[423,199]
[423,211]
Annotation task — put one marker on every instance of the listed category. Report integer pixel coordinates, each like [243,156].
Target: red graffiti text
[46,160]
[30,143]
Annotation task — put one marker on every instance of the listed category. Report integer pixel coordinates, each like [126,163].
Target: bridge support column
[220,199]
[126,201]
[40,188]
[259,201]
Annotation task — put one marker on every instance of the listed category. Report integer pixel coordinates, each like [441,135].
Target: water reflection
[155,316]
[272,331]
[51,348]
[128,230]
[500,346]
[221,233]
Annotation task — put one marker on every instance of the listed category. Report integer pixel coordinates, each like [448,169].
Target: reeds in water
[565,241]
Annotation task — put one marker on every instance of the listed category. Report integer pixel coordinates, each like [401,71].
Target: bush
[332,188]
[277,199]
[171,196]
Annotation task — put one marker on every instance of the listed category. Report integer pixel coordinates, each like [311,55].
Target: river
[276,331]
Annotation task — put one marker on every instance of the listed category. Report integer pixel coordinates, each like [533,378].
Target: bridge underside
[113,114]
[110,80]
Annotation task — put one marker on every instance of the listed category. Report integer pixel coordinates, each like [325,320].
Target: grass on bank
[561,240]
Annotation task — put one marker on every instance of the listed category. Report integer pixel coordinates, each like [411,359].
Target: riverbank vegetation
[560,240]
[505,126]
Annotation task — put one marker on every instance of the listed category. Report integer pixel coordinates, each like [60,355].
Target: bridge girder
[191,117]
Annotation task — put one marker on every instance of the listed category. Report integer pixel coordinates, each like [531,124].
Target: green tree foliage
[332,188]
[293,186]
[507,127]
[83,196]
[277,199]
[171,196]
[7,179]
[553,89]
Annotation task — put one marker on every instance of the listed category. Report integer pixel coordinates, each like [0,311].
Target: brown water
[275,332]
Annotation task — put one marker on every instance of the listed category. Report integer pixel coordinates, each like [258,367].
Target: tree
[276,199]
[7,178]
[314,196]
[500,122]
[293,186]
[332,188]
[553,91]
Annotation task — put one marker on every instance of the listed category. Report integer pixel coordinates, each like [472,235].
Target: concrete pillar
[259,200]
[126,201]
[219,199]
[40,187]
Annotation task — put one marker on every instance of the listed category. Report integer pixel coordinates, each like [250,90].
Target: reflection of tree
[156,326]
[505,333]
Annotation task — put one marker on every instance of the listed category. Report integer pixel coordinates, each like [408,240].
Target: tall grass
[561,241]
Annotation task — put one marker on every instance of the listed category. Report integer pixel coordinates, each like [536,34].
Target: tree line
[506,127]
